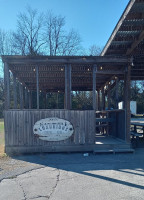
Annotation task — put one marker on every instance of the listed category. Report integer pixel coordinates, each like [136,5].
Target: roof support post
[103,99]
[98,99]
[94,86]
[68,86]
[26,98]
[57,100]
[116,92]
[7,86]
[30,99]
[108,96]
[37,85]
[21,96]
[127,81]
[14,91]
[45,100]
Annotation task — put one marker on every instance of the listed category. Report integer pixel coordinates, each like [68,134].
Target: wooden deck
[108,144]
[102,139]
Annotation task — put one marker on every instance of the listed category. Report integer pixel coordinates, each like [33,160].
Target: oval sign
[53,129]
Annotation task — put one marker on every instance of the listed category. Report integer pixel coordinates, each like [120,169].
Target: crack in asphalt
[39,197]
[54,188]
[19,184]
[15,176]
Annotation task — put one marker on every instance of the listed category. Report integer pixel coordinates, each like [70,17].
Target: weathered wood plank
[68,86]
[26,98]
[109,96]
[86,125]
[63,59]
[92,126]
[76,127]
[7,86]
[117,95]
[37,85]
[15,91]
[20,131]
[98,94]
[127,79]
[103,99]
[30,99]
[21,96]
[94,86]
[58,148]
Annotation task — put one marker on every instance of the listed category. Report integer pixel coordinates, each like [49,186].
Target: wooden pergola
[121,59]
[65,74]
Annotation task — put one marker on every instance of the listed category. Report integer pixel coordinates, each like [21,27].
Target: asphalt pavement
[73,176]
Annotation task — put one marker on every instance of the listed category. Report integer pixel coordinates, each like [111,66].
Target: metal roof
[128,35]
[127,39]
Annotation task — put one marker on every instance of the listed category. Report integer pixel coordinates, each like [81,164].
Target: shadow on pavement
[132,164]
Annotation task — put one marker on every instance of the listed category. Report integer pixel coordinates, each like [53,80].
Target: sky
[94,20]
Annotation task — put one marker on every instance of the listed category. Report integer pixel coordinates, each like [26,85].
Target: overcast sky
[93,19]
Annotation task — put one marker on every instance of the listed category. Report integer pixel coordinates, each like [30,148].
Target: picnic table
[138,125]
[137,131]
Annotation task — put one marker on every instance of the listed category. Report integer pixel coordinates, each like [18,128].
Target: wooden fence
[113,122]
[19,137]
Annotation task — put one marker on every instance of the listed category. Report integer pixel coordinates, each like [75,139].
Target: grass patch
[1,137]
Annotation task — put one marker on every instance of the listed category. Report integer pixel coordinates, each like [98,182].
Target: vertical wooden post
[45,98]
[108,96]
[103,99]
[97,100]
[66,95]
[68,86]
[7,86]
[37,85]
[30,99]
[117,88]
[14,91]
[57,99]
[94,87]
[26,98]
[21,96]
[127,79]
[98,93]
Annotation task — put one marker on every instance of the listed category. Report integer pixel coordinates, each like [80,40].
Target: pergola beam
[18,60]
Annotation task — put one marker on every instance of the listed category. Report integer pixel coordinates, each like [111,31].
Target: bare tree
[71,43]
[6,47]
[95,50]
[6,43]
[20,43]
[27,39]
[58,41]
[53,32]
